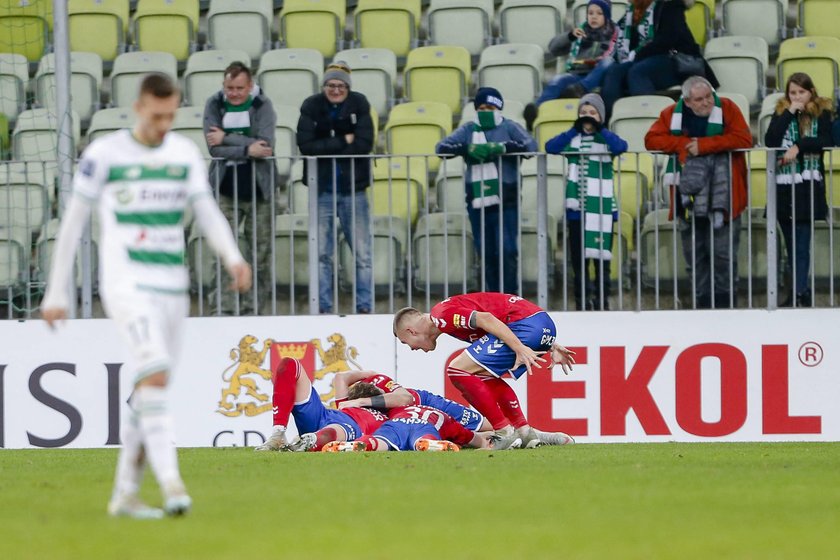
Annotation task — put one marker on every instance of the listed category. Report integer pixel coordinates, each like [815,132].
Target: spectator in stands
[707,183]
[337,122]
[649,34]
[488,145]
[801,127]
[239,124]
[590,147]
[591,49]
[835,128]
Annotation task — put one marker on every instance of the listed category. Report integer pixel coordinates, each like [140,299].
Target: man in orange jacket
[707,183]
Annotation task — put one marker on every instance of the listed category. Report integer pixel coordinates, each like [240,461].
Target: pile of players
[377,414]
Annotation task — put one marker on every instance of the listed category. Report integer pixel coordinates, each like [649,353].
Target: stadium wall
[740,375]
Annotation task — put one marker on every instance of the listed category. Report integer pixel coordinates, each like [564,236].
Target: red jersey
[368,419]
[455,315]
[388,385]
[448,427]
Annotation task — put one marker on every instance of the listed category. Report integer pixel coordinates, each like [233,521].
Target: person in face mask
[490,145]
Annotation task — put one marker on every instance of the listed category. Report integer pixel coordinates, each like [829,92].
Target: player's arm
[400,397]
[524,355]
[343,380]
[54,306]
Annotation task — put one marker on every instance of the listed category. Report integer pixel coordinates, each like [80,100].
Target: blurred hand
[562,356]
[796,106]
[693,147]
[215,137]
[53,316]
[579,33]
[349,138]
[259,149]
[241,277]
[790,154]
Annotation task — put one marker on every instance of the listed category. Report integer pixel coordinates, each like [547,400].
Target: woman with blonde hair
[801,127]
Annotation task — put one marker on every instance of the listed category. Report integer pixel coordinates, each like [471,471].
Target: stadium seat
[288,76]
[189,122]
[313,24]
[390,246]
[398,189]
[515,69]
[35,137]
[633,175]
[374,73]
[739,63]
[415,128]
[444,256]
[110,20]
[110,120]
[819,18]
[25,27]
[556,187]
[85,82]
[759,18]
[166,26]
[5,146]
[24,175]
[513,110]
[622,246]
[632,117]
[450,190]
[832,169]
[555,117]
[819,57]
[385,24]
[740,100]
[529,264]
[129,68]
[768,108]
[466,23]
[298,192]
[658,249]
[285,137]
[619,8]
[826,257]
[14,81]
[14,264]
[438,73]
[202,259]
[45,244]
[700,18]
[529,21]
[757,181]
[243,25]
[23,204]
[206,71]
[752,248]
[291,251]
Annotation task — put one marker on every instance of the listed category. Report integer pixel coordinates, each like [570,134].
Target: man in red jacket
[707,181]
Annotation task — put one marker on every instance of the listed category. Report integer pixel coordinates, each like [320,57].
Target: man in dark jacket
[239,124]
[337,122]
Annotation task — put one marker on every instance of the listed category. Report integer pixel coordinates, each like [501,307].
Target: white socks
[131,463]
[155,424]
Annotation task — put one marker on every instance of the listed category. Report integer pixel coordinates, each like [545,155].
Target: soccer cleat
[306,442]
[424,444]
[176,501]
[500,443]
[338,446]
[554,438]
[530,439]
[131,506]
[276,442]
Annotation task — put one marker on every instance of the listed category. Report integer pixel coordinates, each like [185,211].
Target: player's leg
[463,372]
[425,437]
[131,465]
[290,385]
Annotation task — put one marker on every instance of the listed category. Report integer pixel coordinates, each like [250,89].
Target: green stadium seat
[166,26]
[398,189]
[25,27]
[85,83]
[515,69]
[633,176]
[374,72]
[129,68]
[288,76]
[466,23]
[98,26]
[554,117]
[24,202]
[205,72]
[313,24]
[415,128]
[740,100]
[438,73]
[819,57]
[14,81]
[739,63]
[528,21]
[819,18]
[700,18]
[4,137]
[385,24]
[556,188]
[243,25]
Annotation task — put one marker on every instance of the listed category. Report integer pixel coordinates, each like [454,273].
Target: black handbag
[688,64]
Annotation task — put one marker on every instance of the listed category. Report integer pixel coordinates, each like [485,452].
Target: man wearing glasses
[337,122]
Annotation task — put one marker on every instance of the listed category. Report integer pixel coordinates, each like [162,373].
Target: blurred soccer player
[142,181]
[507,334]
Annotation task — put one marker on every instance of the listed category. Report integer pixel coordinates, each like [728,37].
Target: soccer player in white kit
[141,181]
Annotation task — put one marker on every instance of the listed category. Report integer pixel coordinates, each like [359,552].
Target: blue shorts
[402,433]
[312,415]
[467,417]
[537,332]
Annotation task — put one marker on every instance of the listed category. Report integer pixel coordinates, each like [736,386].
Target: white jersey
[142,193]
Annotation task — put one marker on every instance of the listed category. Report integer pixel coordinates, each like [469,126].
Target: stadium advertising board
[664,376]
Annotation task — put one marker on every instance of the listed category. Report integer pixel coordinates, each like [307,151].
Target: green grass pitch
[616,501]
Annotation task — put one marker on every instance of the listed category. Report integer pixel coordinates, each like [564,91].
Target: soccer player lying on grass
[293,394]
[507,334]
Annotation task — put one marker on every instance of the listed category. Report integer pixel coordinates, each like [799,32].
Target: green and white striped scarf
[237,120]
[590,178]
[714,127]
[795,172]
[485,176]
[645,29]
